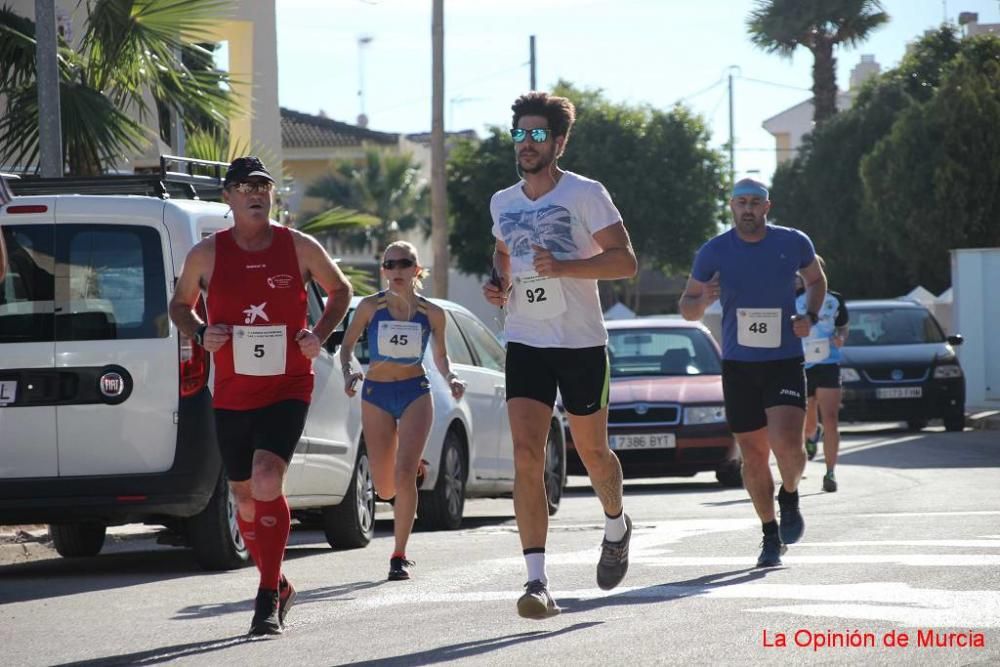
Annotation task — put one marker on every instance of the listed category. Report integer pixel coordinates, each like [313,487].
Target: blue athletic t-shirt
[757,275]
[832,314]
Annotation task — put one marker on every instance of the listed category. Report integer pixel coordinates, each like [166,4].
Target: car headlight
[705,414]
[947,371]
[849,375]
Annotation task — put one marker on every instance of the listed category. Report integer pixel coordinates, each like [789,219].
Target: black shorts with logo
[750,387]
[275,428]
[822,376]
[581,375]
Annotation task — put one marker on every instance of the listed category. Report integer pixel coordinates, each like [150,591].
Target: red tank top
[252,290]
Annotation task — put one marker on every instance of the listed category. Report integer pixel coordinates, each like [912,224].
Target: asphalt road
[910,545]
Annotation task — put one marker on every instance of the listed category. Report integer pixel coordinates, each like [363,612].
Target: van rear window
[105,283]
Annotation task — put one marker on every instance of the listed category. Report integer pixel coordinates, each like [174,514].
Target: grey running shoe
[265,614]
[792,523]
[829,482]
[536,601]
[399,569]
[771,551]
[613,565]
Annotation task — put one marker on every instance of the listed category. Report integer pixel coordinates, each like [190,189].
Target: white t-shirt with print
[563,221]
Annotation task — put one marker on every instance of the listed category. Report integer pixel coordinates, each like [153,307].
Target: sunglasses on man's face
[247,187]
[404,263]
[539,134]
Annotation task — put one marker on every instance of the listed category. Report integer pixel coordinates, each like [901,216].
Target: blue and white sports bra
[398,341]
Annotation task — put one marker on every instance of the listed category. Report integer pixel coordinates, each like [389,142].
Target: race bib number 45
[399,340]
[759,327]
[538,297]
[259,350]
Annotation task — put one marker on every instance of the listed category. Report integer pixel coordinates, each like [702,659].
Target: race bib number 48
[538,297]
[759,327]
[399,340]
[259,350]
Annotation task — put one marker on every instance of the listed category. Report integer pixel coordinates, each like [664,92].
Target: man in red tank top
[254,275]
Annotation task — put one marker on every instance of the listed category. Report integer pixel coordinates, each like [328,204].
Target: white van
[105,409]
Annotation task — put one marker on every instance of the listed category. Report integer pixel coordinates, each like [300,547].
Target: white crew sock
[536,566]
[614,527]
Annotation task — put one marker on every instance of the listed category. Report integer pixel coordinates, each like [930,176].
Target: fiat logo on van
[112,384]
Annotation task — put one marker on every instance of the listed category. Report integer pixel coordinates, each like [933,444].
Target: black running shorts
[275,428]
[580,374]
[750,387]
[822,376]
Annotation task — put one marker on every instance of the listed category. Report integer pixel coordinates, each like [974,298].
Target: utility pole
[531,60]
[363,41]
[439,201]
[50,159]
[732,135]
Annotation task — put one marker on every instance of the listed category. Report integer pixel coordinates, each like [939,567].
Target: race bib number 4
[538,297]
[259,350]
[760,327]
[399,340]
[816,349]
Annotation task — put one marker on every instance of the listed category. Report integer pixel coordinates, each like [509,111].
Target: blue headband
[750,187]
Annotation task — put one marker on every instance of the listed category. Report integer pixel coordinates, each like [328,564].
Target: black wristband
[199,334]
[813,317]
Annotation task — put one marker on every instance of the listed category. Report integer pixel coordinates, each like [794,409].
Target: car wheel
[214,533]
[955,422]
[351,524]
[441,508]
[555,468]
[78,540]
[730,473]
[915,424]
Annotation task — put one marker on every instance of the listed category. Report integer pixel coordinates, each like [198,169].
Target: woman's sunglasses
[404,263]
[247,187]
[539,134]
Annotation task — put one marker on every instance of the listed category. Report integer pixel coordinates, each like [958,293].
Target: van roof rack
[177,177]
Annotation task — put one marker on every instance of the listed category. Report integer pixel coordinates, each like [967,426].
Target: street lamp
[363,41]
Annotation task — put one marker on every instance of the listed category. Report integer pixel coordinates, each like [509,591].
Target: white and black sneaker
[613,565]
[536,601]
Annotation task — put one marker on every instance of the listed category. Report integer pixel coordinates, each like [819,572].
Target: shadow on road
[665,592]
[340,593]
[165,654]
[57,577]
[469,649]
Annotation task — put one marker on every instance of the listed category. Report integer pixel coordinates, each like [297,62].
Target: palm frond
[17,49]
[338,218]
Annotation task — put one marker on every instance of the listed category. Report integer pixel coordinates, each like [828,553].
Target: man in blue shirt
[752,269]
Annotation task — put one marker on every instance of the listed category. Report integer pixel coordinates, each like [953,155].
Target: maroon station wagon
[666,415]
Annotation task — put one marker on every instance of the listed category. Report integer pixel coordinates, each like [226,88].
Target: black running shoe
[613,565]
[265,614]
[771,551]
[399,569]
[536,601]
[286,598]
[829,482]
[792,523]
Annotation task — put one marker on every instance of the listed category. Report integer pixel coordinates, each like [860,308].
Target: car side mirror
[956,339]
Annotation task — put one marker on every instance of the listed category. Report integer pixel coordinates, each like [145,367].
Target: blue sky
[638,51]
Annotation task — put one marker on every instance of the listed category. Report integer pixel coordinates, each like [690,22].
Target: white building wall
[975,273]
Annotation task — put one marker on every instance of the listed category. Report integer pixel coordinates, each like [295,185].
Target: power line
[775,84]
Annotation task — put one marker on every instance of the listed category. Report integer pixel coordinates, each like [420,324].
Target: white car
[470,451]
[105,409]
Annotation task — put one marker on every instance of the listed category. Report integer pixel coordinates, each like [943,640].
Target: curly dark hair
[559,111]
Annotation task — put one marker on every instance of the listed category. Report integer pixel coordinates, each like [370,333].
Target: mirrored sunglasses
[404,263]
[539,134]
[247,187]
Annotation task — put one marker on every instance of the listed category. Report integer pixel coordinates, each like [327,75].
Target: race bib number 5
[259,350]
[399,340]
[759,327]
[538,297]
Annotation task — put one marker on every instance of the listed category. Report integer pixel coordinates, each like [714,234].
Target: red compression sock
[272,524]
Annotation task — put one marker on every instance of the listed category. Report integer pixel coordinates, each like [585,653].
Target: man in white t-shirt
[557,234]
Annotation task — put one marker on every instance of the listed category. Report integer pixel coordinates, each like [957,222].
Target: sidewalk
[20,544]
[987,420]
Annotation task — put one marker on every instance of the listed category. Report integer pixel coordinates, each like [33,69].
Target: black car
[898,365]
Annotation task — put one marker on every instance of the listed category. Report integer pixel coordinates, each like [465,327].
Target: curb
[988,420]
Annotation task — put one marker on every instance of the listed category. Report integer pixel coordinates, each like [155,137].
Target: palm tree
[385,189]
[779,26]
[128,47]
